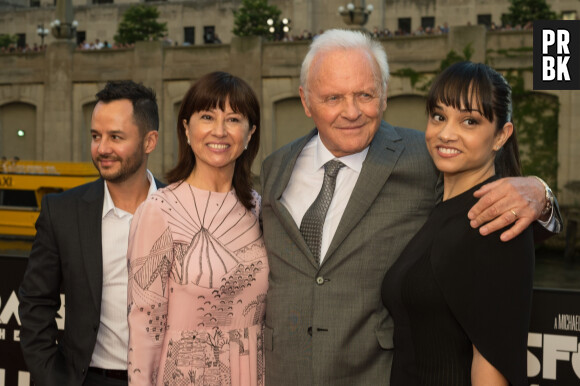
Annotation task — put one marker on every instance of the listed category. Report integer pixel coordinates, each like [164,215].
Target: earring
[188,142]
[246,147]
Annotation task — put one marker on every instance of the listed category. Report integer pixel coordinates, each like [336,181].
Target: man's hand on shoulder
[515,200]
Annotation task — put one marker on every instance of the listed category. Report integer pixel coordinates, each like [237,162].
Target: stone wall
[56,88]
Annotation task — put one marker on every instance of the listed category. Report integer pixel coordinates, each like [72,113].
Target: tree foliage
[7,40]
[453,57]
[523,11]
[535,118]
[251,18]
[140,23]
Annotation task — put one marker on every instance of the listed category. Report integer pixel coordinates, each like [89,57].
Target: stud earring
[188,141]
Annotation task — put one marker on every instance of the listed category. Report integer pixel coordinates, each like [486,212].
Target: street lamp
[42,32]
[64,30]
[357,15]
[278,27]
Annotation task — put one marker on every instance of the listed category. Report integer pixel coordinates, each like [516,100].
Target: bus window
[18,198]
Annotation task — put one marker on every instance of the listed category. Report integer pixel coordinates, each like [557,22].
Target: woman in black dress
[461,301]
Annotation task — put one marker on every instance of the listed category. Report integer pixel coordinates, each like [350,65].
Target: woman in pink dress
[198,272]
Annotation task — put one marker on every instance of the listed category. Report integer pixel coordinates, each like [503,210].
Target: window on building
[188,35]
[484,20]
[34,3]
[504,19]
[569,15]
[404,27]
[21,42]
[208,34]
[81,37]
[102,1]
[427,22]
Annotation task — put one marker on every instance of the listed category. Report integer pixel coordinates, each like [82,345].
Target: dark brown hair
[471,86]
[213,91]
[145,112]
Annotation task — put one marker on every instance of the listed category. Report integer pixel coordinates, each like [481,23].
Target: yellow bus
[24,183]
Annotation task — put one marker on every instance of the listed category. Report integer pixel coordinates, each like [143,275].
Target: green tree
[7,40]
[523,11]
[252,17]
[535,117]
[140,23]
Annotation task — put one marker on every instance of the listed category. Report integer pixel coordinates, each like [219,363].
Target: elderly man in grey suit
[325,322]
[81,248]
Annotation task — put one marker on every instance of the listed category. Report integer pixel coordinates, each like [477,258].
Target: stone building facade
[193,21]
[49,96]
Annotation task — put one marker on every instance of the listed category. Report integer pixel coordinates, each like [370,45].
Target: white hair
[336,39]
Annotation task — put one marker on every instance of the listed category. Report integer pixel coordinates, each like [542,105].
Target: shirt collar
[352,161]
[109,205]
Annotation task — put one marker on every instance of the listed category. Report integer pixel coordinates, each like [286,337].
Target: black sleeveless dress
[451,288]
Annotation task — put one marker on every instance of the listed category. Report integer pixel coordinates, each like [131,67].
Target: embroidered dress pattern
[198,277]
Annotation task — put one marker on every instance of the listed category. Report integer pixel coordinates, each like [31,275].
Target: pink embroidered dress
[198,277]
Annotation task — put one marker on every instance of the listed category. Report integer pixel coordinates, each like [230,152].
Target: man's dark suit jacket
[66,254]
[326,325]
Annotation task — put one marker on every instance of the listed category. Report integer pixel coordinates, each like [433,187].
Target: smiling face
[118,148]
[217,137]
[344,99]
[463,143]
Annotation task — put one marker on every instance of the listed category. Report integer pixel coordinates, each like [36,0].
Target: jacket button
[320,280]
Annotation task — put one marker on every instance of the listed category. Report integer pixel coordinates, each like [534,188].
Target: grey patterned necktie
[313,220]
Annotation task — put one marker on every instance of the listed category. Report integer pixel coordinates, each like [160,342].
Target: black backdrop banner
[12,369]
[553,340]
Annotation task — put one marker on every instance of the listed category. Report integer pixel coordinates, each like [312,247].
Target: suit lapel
[282,179]
[89,222]
[384,151]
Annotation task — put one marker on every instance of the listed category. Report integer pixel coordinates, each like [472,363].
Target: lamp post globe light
[278,28]
[356,14]
[63,30]
[42,32]
[64,27]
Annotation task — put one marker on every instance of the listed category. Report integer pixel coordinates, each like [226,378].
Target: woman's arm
[483,373]
[147,299]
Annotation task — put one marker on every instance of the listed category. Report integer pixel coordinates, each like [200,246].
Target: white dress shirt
[113,335]
[306,182]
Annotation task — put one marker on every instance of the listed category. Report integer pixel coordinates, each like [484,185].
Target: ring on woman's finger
[514,213]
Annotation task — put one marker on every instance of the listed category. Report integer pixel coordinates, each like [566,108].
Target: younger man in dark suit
[80,248]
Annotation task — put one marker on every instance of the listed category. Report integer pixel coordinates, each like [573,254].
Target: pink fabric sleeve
[147,304]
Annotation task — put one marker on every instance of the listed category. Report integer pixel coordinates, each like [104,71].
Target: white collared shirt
[306,182]
[113,335]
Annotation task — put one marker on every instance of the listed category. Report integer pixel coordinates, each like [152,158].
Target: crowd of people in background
[99,45]
[377,33]
[14,48]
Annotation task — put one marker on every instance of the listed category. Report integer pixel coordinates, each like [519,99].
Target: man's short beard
[129,166]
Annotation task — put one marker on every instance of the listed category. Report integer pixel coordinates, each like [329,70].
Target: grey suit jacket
[66,253]
[327,325]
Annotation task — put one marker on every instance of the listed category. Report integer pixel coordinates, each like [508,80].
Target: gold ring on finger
[514,213]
